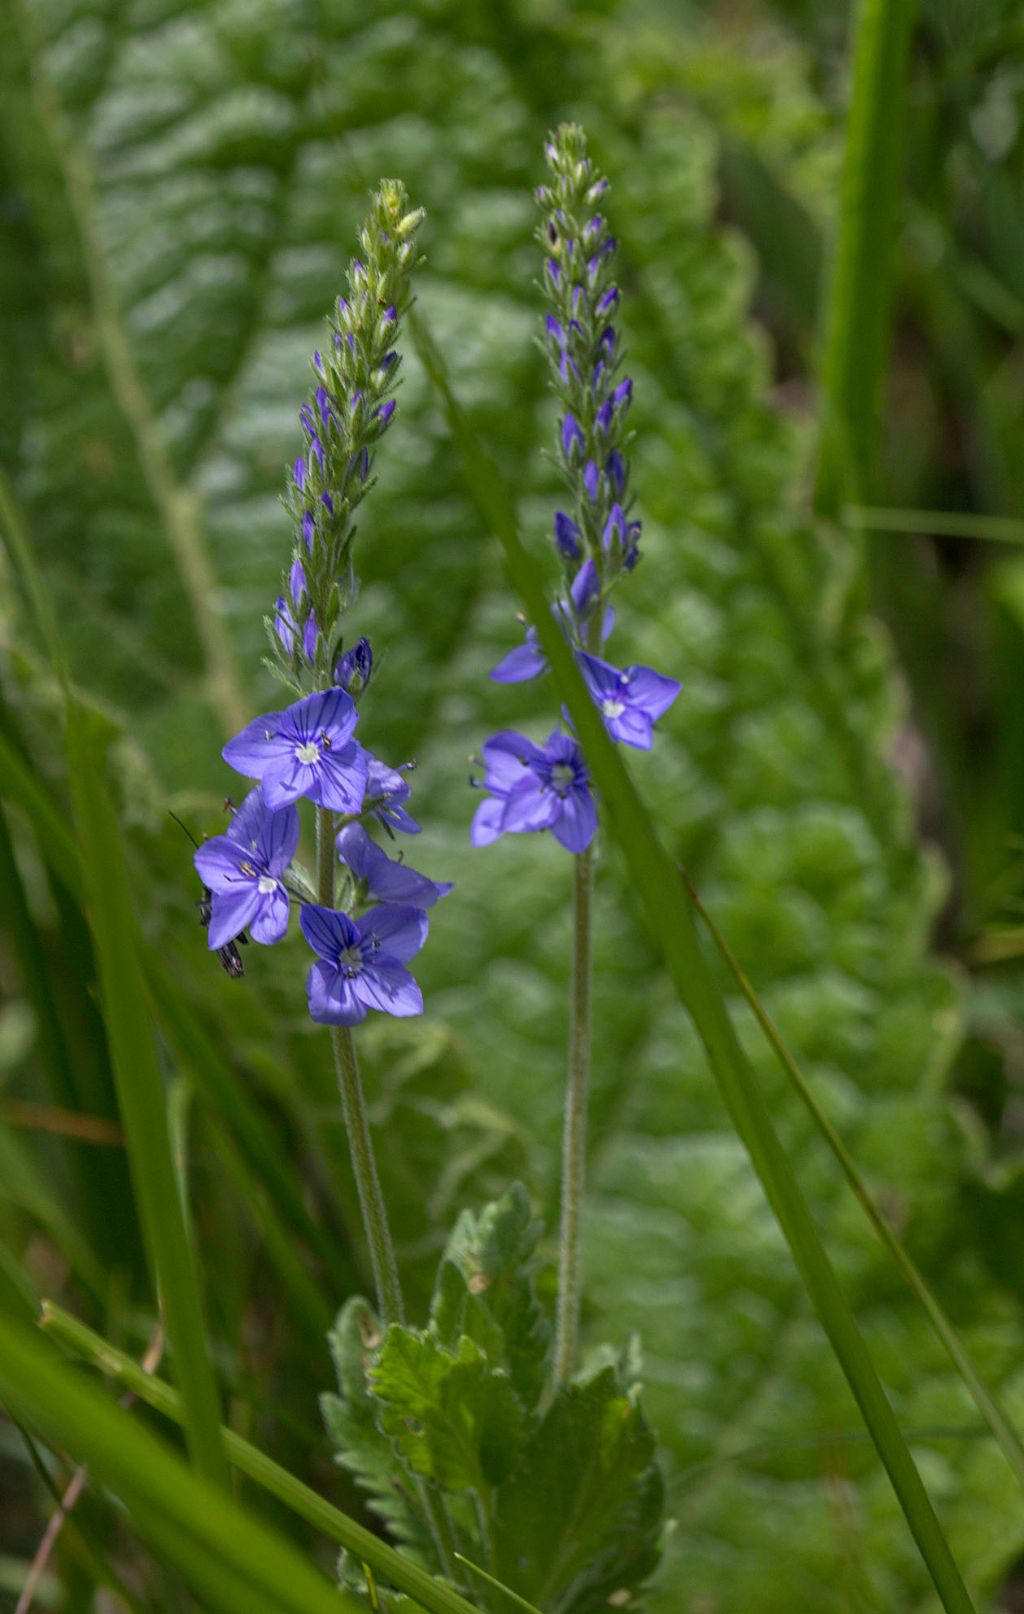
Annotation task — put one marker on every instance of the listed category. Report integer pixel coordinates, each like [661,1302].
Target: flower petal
[331,999]
[218,863]
[486,825]
[389,987]
[327,930]
[578,821]
[279,837]
[400,931]
[528,807]
[507,755]
[247,822]
[259,745]
[329,711]
[231,912]
[526,661]
[650,690]
[271,922]
[340,781]
[357,850]
[631,727]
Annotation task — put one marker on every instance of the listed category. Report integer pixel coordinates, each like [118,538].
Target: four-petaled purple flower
[528,660]
[630,702]
[361,962]
[536,787]
[242,870]
[384,878]
[306,750]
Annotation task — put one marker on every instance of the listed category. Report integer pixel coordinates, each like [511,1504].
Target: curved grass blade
[655,879]
[1005,1434]
[234,1563]
[857,313]
[140,1088]
[434,1595]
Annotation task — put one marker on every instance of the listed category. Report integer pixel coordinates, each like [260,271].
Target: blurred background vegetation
[843,775]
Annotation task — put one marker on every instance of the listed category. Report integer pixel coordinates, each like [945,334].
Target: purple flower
[386,795]
[242,870]
[308,529]
[622,397]
[360,963]
[608,301]
[307,750]
[384,413]
[353,670]
[592,480]
[567,536]
[630,702]
[535,787]
[285,620]
[385,878]
[616,468]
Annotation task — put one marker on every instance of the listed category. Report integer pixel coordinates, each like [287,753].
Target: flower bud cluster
[584,353]
[350,407]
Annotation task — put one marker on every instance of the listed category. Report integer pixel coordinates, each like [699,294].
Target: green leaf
[580,1522]
[485,1290]
[358,1442]
[452,1417]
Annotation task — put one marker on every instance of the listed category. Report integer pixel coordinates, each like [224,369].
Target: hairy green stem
[353,1109]
[574,1133]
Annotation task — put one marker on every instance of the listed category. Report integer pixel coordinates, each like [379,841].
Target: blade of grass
[140,1088]
[936,523]
[654,879]
[857,311]
[1000,1426]
[234,1562]
[434,1595]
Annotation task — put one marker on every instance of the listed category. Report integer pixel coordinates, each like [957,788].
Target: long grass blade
[857,312]
[434,1595]
[936,523]
[140,1089]
[657,883]
[235,1563]
[1005,1434]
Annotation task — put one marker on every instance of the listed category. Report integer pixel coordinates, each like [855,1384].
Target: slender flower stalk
[596,540]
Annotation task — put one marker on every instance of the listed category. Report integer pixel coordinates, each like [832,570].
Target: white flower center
[563,775]
[266,884]
[350,960]
[308,752]
[613,708]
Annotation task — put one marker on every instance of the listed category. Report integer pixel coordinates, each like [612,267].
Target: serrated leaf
[453,1417]
[357,1441]
[485,1290]
[580,1522]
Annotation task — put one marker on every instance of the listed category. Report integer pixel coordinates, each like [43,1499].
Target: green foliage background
[181,188]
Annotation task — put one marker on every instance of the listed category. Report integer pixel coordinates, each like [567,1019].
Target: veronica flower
[629,702]
[353,670]
[361,962]
[535,787]
[386,795]
[242,870]
[384,878]
[306,750]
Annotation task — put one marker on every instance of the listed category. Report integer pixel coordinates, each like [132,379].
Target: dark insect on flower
[230,957]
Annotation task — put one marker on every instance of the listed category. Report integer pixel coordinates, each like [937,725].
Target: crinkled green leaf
[580,1523]
[356,1439]
[452,1416]
[485,1290]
